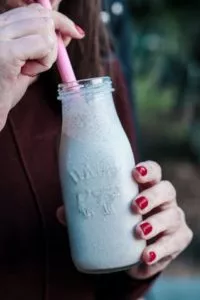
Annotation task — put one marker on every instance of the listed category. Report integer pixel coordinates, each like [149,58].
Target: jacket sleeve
[120,286]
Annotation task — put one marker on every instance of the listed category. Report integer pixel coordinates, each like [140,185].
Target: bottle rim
[97,84]
[89,82]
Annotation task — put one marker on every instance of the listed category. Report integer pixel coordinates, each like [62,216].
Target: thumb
[60,214]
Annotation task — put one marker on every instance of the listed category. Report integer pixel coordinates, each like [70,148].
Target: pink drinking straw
[63,62]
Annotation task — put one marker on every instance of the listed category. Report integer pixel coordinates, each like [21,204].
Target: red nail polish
[142,202]
[146,228]
[80,30]
[142,170]
[152,256]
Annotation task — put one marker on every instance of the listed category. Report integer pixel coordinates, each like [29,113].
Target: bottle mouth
[85,85]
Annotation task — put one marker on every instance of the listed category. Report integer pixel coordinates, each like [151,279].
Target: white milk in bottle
[96,163]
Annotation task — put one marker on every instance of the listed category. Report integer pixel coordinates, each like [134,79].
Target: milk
[96,162]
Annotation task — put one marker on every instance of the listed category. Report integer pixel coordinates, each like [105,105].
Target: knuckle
[50,41]
[190,235]
[174,255]
[180,215]
[170,189]
[49,23]
[54,56]
[48,65]
[152,195]
[49,62]
[176,244]
[186,239]
[165,249]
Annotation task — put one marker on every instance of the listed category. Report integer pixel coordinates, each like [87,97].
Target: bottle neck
[84,88]
[87,107]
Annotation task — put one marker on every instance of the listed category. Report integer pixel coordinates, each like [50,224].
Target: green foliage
[167,66]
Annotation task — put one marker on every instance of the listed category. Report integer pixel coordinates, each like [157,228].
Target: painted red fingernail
[146,228]
[152,256]
[142,170]
[142,202]
[80,30]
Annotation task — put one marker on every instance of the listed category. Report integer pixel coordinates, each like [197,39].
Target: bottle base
[106,271]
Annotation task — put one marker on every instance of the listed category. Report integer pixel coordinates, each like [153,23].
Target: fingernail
[146,228]
[80,30]
[142,202]
[142,170]
[152,256]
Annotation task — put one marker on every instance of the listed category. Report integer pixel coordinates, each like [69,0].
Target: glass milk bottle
[96,162]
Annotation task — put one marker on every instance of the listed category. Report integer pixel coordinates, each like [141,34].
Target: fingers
[164,226]
[160,194]
[35,19]
[26,27]
[34,67]
[32,47]
[156,257]
[23,13]
[34,41]
[32,31]
[144,271]
[167,221]
[168,245]
[66,26]
[147,172]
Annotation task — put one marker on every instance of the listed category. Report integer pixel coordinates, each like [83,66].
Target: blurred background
[158,44]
